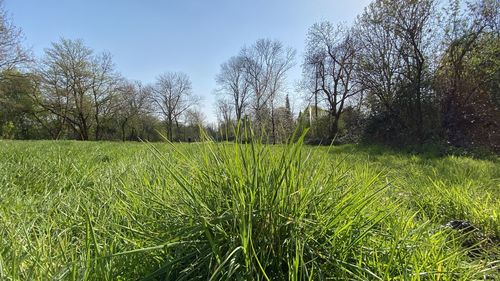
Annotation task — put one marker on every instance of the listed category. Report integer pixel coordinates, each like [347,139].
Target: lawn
[203,211]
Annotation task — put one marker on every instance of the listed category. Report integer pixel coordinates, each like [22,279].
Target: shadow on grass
[426,151]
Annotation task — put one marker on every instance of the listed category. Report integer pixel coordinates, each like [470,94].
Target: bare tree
[172,96]
[266,64]
[104,87]
[132,102]
[11,51]
[284,121]
[233,84]
[224,110]
[329,68]
[194,117]
[379,61]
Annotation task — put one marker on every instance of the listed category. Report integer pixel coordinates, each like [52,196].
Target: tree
[396,41]
[467,77]
[266,64]
[64,77]
[104,87]
[378,59]
[288,125]
[76,85]
[172,96]
[413,25]
[224,109]
[284,121]
[233,84]
[328,69]
[133,104]
[194,121]
[12,53]
[194,117]
[16,106]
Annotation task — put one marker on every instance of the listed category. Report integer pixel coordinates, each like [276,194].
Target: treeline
[75,93]
[405,73]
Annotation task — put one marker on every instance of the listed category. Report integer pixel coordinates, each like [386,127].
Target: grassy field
[134,211]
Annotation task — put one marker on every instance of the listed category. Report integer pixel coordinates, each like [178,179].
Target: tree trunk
[420,120]
[170,124]
[334,127]
[273,123]
[123,125]
[97,123]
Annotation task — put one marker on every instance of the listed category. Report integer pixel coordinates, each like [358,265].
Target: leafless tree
[11,51]
[329,68]
[132,103]
[225,111]
[379,61]
[172,96]
[194,117]
[104,88]
[234,85]
[266,63]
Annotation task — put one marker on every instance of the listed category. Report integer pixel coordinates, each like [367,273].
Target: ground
[125,211]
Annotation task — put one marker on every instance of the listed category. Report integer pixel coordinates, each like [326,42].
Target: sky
[150,37]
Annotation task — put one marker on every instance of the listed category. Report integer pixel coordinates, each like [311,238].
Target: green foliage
[470,86]
[16,105]
[317,123]
[131,211]
[8,130]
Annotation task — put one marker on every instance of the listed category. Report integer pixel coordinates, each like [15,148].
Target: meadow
[209,211]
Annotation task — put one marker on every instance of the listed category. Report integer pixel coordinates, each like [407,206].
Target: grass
[131,211]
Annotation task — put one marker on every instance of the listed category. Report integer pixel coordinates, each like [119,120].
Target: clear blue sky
[148,37]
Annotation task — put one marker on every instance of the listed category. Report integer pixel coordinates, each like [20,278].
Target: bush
[8,130]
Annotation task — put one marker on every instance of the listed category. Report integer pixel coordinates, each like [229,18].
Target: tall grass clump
[246,212]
